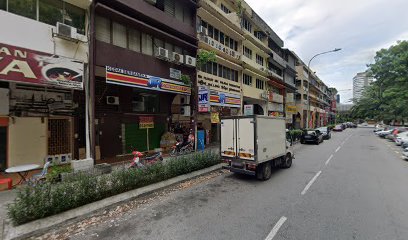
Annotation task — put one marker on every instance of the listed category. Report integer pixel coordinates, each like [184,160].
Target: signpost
[248,110]
[146,123]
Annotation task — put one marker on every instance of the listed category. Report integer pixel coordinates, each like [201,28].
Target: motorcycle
[138,162]
[181,148]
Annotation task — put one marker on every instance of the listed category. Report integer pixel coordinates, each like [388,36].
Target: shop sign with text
[146,122]
[291,109]
[129,78]
[23,65]
[224,99]
[248,110]
[203,99]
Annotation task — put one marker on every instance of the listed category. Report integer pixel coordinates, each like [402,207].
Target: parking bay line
[328,160]
[310,183]
[276,228]
[338,148]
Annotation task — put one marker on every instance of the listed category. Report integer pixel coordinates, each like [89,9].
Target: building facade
[43,67]
[360,82]
[144,66]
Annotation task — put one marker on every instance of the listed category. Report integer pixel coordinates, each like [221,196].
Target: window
[169,7]
[247,25]
[247,52]
[147,44]
[134,40]
[260,84]
[50,11]
[169,47]
[158,43]
[210,31]
[74,16]
[225,9]
[102,28]
[119,35]
[142,102]
[3,4]
[247,80]
[216,34]
[179,11]
[25,8]
[222,37]
[259,35]
[188,16]
[259,60]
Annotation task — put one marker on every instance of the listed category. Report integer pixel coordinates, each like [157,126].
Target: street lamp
[308,80]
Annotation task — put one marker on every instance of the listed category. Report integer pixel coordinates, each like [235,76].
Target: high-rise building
[338,98]
[360,81]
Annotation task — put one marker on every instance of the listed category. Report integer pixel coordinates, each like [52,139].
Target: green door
[136,139]
[3,148]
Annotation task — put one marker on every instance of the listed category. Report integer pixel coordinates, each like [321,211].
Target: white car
[401,138]
[405,155]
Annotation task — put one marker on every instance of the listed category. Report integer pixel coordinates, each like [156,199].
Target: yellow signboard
[215,117]
[291,109]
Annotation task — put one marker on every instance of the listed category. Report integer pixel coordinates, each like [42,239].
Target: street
[350,187]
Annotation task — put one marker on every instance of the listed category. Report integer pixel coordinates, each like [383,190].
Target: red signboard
[29,66]
[146,122]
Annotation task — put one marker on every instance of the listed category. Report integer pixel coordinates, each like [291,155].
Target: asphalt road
[353,186]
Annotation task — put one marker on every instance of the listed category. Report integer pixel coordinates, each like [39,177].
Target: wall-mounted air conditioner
[177,58]
[162,53]
[66,31]
[185,111]
[206,39]
[111,100]
[190,61]
[211,42]
[202,30]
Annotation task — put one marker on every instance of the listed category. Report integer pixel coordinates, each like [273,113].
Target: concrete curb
[41,226]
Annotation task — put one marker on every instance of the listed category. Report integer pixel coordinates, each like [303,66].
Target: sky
[359,27]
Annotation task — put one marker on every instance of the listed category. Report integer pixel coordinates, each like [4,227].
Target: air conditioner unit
[262,69]
[65,158]
[185,100]
[178,58]
[202,30]
[211,42]
[162,53]
[185,111]
[66,31]
[190,61]
[232,53]
[206,39]
[221,48]
[226,50]
[152,2]
[111,100]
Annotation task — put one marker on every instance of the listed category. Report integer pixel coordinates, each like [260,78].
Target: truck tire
[264,172]
[287,161]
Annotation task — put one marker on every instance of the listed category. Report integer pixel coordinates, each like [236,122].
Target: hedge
[42,200]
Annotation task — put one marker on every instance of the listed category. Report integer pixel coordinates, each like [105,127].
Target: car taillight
[251,166]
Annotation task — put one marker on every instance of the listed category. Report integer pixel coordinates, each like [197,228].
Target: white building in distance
[360,81]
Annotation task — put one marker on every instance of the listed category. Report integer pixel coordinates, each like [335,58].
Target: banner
[139,80]
[146,122]
[203,99]
[215,117]
[28,66]
[224,99]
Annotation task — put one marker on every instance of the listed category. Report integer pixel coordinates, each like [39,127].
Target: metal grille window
[260,84]
[247,52]
[247,80]
[59,135]
[169,7]
[259,60]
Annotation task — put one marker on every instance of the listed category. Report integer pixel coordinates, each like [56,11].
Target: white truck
[254,144]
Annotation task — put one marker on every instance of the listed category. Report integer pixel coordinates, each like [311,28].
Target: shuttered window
[119,35]
[134,40]
[179,11]
[102,27]
[147,44]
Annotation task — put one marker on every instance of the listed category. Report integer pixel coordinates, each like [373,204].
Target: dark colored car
[325,131]
[314,136]
[338,128]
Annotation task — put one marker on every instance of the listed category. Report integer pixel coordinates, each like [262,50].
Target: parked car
[382,134]
[325,131]
[401,138]
[394,133]
[338,128]
[404,145]
[314,136]
[405,155]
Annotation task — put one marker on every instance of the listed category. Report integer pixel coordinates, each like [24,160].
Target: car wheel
[302,142]
[287,161]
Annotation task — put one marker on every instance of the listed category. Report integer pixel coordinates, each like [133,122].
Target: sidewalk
[6,197]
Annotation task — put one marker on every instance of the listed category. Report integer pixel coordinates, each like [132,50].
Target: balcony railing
[231,17]
[279,59]
[220,47]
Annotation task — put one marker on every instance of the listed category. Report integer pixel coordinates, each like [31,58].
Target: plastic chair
[7,181]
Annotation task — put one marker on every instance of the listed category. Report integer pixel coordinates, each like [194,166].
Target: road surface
[353,186]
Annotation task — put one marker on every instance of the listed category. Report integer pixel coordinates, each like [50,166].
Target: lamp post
[308,80]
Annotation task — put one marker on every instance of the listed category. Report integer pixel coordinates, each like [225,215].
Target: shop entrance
[3,148]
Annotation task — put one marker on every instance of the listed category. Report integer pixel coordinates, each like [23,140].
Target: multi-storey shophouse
[43,63]
[144,64]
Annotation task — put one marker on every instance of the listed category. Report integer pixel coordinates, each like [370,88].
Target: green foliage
[53,174]
[204,57]
[387,98]
[47,199]
[185,79]
[295,134]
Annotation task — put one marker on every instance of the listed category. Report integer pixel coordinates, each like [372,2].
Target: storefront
[39,104]
[212,106]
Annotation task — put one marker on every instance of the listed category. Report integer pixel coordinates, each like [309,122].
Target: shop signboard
[215,117]
[174,73]
[146,122]
[291,109]
[129,78]
[224,99]
[23,65]
[248,110]
[203,99]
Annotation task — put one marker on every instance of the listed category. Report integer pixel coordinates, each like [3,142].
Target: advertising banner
[124,77]
[23,65]
[203,99]
[248,110]
[224,99]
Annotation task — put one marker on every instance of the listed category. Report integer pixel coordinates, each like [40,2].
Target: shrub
[42,200]
[54,174]
[295,134]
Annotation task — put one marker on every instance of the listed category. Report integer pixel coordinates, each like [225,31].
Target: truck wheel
[264,172]
[287,161]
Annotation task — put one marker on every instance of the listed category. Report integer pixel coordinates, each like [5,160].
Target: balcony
[256,41]
[278,59]
[273,74]
[231,19]
[274,97]
[259,69]
[225,52]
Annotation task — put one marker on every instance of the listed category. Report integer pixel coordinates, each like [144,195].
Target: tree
[387,98]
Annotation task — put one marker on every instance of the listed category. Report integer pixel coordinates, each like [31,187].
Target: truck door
[228,138]
[246,138]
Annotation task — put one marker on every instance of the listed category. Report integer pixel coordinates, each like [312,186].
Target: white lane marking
[328,160]
[338,148]
[276,228]
[396,152]
[311,182]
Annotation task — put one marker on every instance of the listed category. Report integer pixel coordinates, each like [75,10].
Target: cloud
[360,28]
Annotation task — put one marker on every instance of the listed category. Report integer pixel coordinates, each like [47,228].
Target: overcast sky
[359,27]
